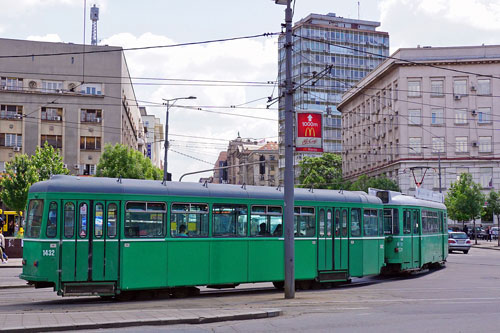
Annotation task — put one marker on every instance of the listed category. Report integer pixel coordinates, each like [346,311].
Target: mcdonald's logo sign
[309,131]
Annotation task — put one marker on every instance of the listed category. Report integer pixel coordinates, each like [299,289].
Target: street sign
[309,131]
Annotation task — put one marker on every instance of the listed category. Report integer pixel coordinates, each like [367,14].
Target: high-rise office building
[352,48]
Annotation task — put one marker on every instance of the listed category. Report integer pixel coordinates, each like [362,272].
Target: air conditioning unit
[457,97]
[474,112]
[65,166]
[76,166]
[473,88]
[58,118]
[474,143]
[17,149]
[32,84]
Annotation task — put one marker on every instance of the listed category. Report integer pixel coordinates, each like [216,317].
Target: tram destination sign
[309,135]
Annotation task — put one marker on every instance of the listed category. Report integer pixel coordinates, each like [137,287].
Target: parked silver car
[458,241]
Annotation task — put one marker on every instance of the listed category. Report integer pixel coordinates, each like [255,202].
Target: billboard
[309,131]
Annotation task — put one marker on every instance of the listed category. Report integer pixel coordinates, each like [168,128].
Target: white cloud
[15,8]
[243,60]
[47,38]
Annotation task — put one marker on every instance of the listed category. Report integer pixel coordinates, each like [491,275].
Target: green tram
[416,232]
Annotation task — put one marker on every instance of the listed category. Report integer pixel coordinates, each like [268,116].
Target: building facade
[249,162]
[154,135]
[426,111]
[220,175]
[76,101]
[320,41]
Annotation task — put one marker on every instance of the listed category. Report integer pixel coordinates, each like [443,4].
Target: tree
[382,183]
[322,172]
[492,206]
[121,161]
[464,200]
[48,162]
[19,176]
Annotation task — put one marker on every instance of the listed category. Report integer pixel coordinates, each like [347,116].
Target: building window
[52,86]
[461,144]
[437,116]
[53,140]
[414,117]
[415,145]
[90,143]
[11,140]
[460,87]
[486,180]
[461,116]
[437,88]
[438,145]
[461,171]
[11,83]
[90,116]
[485,144]
[414,89]
[91,89]
[11,111]
[52,114]
[484,115]
[483,87]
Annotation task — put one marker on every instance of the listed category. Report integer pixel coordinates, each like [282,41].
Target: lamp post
[169,103]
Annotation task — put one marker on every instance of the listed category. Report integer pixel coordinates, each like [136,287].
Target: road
[463,297]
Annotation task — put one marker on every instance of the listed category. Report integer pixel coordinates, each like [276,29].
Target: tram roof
[74,184]
[406,200]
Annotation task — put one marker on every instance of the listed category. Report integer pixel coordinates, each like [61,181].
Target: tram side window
[98,218]
[380,222]
[145,219]
[337,222]
[415,222]
[322,222]
[189,220]
[430,222]
[441,222]
[82,220]
[305,222]
[355,222]
[266,221]
[34,220]
[407,222]
[370,222]
[112,219]
[329,222]
[69,219]
[391,221]
[344,223]
[52,220]
[229,220]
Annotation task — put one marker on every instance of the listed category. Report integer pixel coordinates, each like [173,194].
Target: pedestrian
[4,256]
[466,229]
[489,234]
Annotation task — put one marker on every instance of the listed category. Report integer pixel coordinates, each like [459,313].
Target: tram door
[103,241]
[325,240]
[340,239]
[74,239]
[416,237]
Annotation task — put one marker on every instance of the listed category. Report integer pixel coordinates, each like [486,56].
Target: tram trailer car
[416,232]
[103,236]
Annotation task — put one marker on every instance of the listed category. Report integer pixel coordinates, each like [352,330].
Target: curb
[486,248]
[15,286]
[17,266]
[258,314]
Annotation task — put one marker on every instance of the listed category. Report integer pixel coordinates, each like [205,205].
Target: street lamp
[169,103]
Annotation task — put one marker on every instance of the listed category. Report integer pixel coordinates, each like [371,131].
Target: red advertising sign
[309,131]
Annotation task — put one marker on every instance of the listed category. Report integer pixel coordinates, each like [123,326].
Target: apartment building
[320,41]
[77,98]
[154,135]
[423,111]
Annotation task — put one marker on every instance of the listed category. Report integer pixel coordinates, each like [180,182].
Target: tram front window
[34,218]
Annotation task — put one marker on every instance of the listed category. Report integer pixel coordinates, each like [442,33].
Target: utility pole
[439,166]
[289,168]
[169,104]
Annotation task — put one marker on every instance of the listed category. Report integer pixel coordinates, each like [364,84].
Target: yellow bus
[10,220]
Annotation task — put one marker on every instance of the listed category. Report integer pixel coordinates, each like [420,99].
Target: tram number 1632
[49,253]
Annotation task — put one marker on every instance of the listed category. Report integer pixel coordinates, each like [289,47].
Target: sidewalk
[13,263]
[63,321]
[482,244]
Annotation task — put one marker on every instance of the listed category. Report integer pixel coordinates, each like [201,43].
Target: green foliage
[48,162]
[122,161]
[19,175]
[24,171]
[464,200]
[382,183]
[322,172]
[493,206]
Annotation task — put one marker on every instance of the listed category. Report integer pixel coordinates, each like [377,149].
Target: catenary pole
[289,169]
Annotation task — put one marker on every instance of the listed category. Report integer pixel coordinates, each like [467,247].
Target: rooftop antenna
[358,9]
[94,16]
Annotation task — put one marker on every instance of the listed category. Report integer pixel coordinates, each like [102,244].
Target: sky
[197,136]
